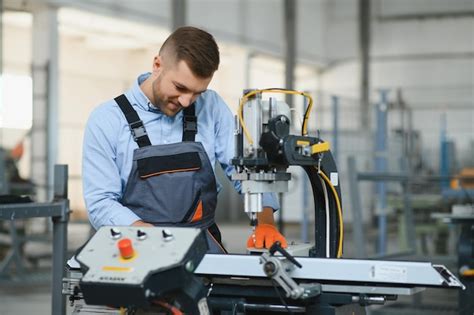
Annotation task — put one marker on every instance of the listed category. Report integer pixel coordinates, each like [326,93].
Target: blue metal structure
[381,151]
[444,159]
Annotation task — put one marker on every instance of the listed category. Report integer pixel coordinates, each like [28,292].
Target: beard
[168,107]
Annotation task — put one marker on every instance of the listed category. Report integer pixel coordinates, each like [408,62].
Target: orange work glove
[265,235]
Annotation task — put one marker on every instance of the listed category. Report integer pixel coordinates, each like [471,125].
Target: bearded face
[176,87]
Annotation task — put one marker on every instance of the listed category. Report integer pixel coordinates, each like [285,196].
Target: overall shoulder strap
[136,125]
[189,123]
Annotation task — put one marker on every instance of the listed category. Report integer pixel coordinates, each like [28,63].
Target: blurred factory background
[393,83]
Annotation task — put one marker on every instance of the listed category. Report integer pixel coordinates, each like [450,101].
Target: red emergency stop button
[126,248]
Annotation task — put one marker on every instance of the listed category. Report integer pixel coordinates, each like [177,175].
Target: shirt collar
[141,100]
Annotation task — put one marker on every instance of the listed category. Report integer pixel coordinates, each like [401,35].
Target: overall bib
[172,184]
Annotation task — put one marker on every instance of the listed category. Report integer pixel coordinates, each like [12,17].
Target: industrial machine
[264,151]
[175,274]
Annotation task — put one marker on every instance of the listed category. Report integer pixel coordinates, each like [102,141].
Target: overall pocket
[170,186]
[167,164]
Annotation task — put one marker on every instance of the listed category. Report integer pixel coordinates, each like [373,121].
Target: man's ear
[157,64]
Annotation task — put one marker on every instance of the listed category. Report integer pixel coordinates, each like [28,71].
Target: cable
[281,298]
[173,310]
[339,210]
[326,202]
[245,98]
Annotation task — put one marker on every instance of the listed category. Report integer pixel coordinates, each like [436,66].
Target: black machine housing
[278,150]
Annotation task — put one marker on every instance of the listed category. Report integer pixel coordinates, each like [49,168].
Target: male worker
[149,154]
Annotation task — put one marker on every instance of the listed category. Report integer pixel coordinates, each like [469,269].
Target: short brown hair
[196,47]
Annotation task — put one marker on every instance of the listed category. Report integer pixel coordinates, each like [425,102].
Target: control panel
[133,265]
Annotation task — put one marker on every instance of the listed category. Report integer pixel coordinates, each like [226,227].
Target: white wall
[17,49]
[431,60]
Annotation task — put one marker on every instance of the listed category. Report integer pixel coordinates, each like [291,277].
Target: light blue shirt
[108,149]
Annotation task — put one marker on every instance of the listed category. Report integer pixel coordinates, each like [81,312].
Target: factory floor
[30,293]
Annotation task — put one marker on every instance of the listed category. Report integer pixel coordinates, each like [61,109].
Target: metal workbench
[58,211]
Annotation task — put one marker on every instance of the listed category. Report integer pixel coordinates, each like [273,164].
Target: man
[149,154]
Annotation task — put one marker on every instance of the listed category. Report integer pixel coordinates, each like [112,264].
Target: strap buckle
[190,123]
[137,129]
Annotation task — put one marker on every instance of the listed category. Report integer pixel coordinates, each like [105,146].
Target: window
[16,101]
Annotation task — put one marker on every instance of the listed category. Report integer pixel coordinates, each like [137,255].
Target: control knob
[141,235]
[115,233]
[167,235]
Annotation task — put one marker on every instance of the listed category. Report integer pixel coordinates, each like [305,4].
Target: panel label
[388,273]
[334,177]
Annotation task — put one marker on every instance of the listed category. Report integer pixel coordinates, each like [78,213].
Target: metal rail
[338,271]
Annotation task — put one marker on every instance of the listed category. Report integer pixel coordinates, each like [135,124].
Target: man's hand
[141,223]
[264,236]
[266,233]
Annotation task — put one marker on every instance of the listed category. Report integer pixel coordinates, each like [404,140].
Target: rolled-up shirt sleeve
[102,184]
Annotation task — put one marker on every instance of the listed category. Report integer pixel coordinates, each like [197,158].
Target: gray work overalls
[172,184]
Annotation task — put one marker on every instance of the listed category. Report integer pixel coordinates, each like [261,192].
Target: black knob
[115,233]
[141,235]
[167,235]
